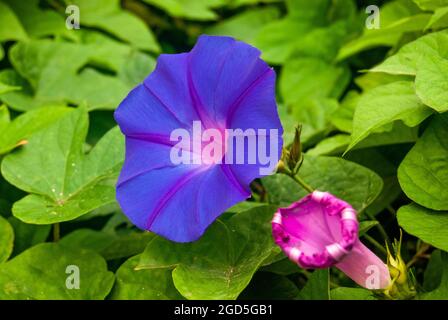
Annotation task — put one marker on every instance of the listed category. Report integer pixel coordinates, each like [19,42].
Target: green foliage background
[372,102]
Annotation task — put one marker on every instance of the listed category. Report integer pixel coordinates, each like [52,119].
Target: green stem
[376,244]
[302,183]
[56,232]
[379,227]
[299,180]
[391,210]
[420,252]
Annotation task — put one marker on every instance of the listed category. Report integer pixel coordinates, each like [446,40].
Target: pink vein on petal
[165,105]
[168,195]
[238,101]
[232,178]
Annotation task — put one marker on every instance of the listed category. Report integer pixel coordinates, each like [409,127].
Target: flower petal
[212,83]
[257,104]
[317,231]
[178,203]
[143,156]
[141,113]
[365,268]
[222,69]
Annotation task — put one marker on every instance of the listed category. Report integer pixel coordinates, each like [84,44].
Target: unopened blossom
[220,84]
[321,231]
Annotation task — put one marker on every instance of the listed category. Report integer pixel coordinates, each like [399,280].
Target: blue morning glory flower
[199,129]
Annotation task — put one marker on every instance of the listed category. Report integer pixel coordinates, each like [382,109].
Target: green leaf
[383,164]
[314,116]
[365,226]
[434,271]
[322,43]
[371,80]
[5,117]
[237,3]
[10,26]
[277,39]
[423,174]
[15,133]
[289,124]
[317,287]
[110,245]
[108,16]
[6,239]
[441,292]
[396,18]
[246,25]
[427,59]
[69,183]
[310,29]
[38,22]
[110,54]
[384,105]
[189,9]
[244,206]
[150,284]
[411,55]
[5,88]
[52,80]
[41,273]
[18,94]
[342,118]
[431,4]
[27,235]
[346,180]
[337,144]
[220,264]
[309,78]
[439,19]
[330,146]
[284,267]
[136,68]
[431,83]
[307,10]
[387,36]
[343,293]
[269,286]
[426,224]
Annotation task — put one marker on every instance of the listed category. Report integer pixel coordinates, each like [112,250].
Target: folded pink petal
[320,231]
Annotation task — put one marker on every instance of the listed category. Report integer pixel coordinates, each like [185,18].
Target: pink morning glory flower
[199,129]
[321,231]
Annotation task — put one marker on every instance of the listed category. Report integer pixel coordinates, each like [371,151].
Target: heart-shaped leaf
[48,271]
[426,224]
[6,239]
[423,174]
[385,104]
[110,245]
[221,263]
[14,133]
[347,180]
[150,284]
[64,183]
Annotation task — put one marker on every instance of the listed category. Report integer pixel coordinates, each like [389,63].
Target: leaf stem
[302,183]
[299,180]
[56,232]
[376,244]
[391,210]
[419,254]
[378,226]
